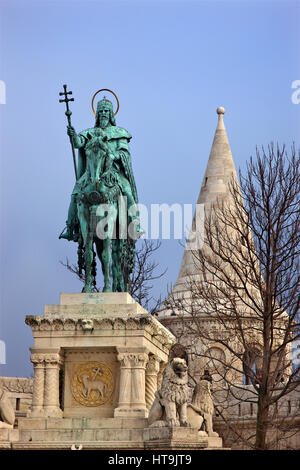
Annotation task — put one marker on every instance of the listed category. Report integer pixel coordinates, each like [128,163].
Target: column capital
[133,358]
[37,359]
[153,365]
[46,357]
[139,360]
[54,359]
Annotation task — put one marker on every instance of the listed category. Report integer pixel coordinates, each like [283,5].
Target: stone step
[92,309]
[81,435]
[8,435]
[86,445]
[99,298]
[81,429]
[81,423]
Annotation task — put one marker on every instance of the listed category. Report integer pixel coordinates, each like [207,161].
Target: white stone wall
[20,393]
[240,411]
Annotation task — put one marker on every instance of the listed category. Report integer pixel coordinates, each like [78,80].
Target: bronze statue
[104,200]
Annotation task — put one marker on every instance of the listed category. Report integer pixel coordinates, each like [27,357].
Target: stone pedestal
[172,438]
[179,438]
[97,359]
[8,437]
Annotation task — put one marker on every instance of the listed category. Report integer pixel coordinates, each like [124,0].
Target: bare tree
[145,273]
[243,314]
[142,279]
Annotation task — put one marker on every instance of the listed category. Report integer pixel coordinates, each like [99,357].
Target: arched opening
[252,365]
[215,363]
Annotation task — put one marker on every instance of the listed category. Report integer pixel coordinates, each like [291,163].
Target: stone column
[138,401]
[132,383]
[38,385]
[125,385]
[51,399]
[152,371]
[162,367]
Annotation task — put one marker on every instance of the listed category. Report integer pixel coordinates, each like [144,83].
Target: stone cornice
[73,322]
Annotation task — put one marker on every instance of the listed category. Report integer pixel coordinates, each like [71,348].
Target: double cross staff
[68,113]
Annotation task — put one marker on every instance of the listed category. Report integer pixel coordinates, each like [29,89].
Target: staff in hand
[68,113]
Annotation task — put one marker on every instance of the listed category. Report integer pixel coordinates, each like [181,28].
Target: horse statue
[103,194]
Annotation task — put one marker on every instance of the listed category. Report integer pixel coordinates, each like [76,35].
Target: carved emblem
[92,384]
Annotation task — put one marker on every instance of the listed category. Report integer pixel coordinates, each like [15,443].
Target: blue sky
[171,63]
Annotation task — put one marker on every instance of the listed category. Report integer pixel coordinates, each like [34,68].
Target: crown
[104,102]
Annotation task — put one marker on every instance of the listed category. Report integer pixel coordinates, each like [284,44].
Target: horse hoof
[106,289]
[87,289]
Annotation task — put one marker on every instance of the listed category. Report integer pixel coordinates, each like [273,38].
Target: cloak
[117,140]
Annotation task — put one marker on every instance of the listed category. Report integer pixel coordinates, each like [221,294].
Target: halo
[110,91]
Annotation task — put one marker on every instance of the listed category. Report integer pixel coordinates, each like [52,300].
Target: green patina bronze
[102,199]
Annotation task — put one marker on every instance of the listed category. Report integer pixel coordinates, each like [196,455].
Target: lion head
[174,384]
[179,368]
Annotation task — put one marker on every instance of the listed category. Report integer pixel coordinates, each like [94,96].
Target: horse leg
[106,260]
[84,219]
[121,283]
[83,216]
[89,257]
[114,265]
[99,249]
[118,278]
[103,252]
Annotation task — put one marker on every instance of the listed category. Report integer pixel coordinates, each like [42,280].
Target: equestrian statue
[103,214]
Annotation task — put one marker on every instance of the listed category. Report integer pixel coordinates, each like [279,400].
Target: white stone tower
[220,169]
[187,313]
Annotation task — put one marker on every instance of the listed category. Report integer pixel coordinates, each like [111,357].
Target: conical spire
[220,169]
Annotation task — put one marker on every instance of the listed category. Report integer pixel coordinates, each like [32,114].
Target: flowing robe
[117,142]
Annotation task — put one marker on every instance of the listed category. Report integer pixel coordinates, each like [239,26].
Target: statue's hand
[109,161]
[71,131]
[103,145]
[78,142]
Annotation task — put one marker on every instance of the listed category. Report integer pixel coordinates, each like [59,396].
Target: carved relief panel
[91,382]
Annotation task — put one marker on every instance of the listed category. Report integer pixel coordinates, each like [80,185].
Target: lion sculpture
[200,410]
[7,413]
[170,405]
